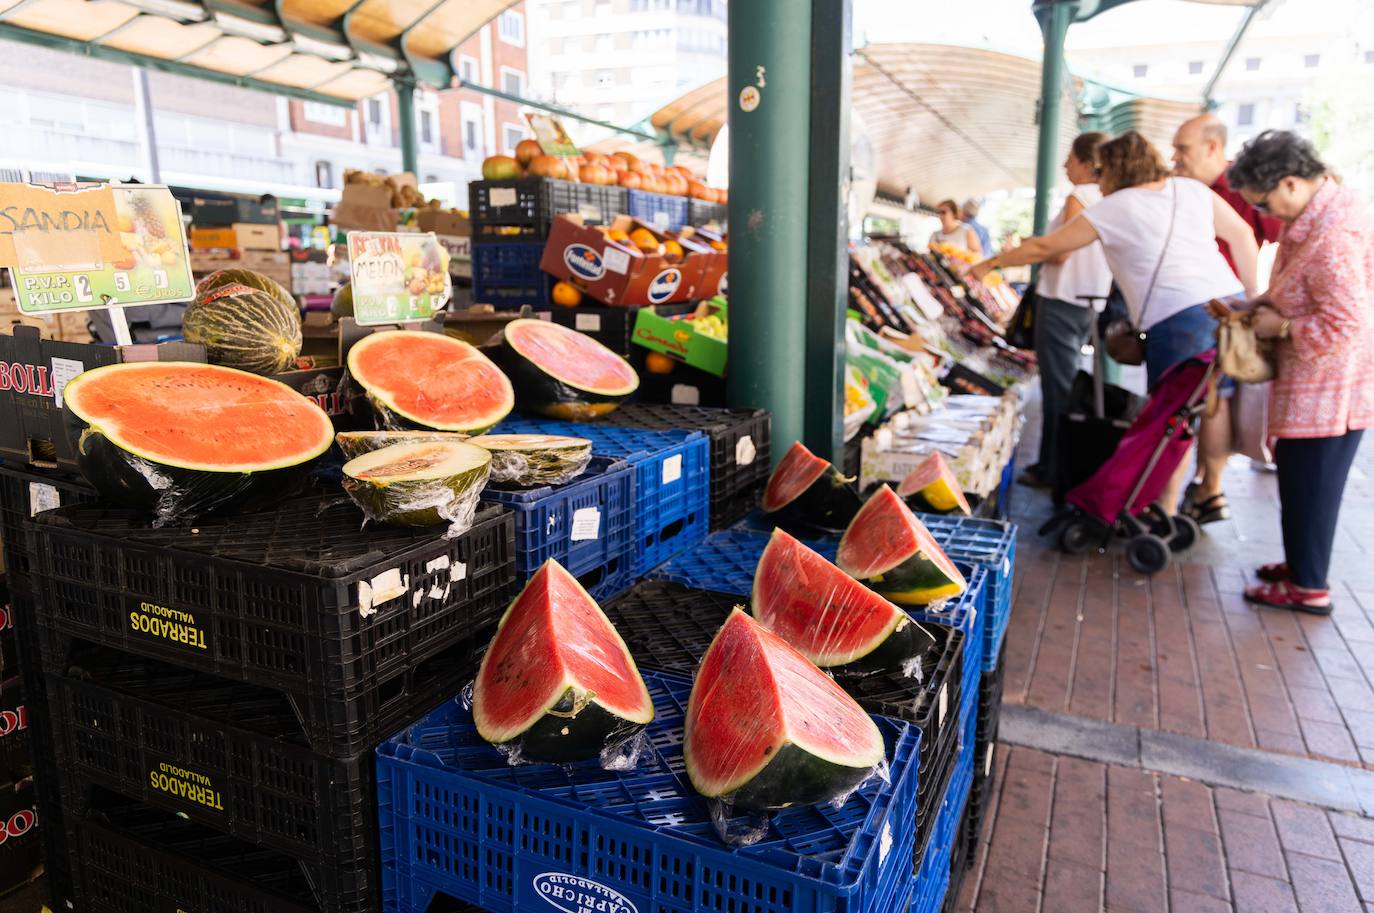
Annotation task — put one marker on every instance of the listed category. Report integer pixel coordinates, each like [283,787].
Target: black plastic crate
[508,276]
[741,454]
[611,326]
[683,386]
[361,628]
[662,211]
[668,627]
[23,493]
[139,859]
[962,857]
[523,210]
[700,212]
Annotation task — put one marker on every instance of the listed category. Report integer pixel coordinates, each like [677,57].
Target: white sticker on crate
[987,765]
[587,323]
[382,588]
[63,370]
[436,564]
[672,468]
[501,196]
[615,261]
[685,395]
[745,452]
[662,221]
[1006,566]
[458,570]
[42,497]
[884,842]
[944,704]
[586,524]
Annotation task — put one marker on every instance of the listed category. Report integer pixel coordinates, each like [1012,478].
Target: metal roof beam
[561,112]
[1231,47]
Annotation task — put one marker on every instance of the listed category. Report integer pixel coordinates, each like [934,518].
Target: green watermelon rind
[938,503]
[557,735]
[393,418]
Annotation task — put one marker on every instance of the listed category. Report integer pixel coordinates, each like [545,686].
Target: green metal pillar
[769,100]
[827,259]
[1055,17]
[405,117]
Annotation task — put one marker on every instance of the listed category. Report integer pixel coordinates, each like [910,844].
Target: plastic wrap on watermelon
[561,373]
[888,547]
[179,439]
[830,618]
[766,729]
[529,460]
[422,484]
[557,685]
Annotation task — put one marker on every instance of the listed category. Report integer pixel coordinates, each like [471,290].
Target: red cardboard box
[619,273]
[713,279]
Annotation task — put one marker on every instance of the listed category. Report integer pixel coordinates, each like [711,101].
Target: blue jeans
[1176,339]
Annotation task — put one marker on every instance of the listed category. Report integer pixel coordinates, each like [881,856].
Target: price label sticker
[672,468]
[498,197]
[587,323]
[42,497]
[586,524]
[685,395]
[987,765]
[616,260]
[745,452]
[943,703]
[63,370]
[398,277]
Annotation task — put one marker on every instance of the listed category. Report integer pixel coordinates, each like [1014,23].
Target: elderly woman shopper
[1159,235]
[1319,311]
[954,232]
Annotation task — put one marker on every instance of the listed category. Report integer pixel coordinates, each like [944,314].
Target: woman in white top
[1062,316]
[1159,235]
[953,232]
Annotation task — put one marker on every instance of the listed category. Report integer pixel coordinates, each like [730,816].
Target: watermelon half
[527,460]
[766,729]
[180,438]
[356,443]
[807,490]
[934,487]
[416,379]
[561,373]
[419,484]
[828,616]
[890,548]
[557,684]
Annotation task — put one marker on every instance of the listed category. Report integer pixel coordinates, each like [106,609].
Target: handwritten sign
[397,277]
[549,133]
[78,247]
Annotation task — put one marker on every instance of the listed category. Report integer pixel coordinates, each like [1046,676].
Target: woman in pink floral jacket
[1320,311]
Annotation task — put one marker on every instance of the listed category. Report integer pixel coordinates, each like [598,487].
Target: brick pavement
[1184,653]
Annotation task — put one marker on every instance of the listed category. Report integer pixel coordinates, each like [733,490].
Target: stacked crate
[510,221]
[218,691]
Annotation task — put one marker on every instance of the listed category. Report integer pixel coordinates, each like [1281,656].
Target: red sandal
[1285,595]
[1274,573]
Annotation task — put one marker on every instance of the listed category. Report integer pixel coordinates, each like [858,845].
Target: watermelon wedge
[416,379]
[419,484]
[806,490]
[828,616]
[561,373]
[766,729]
[890,548]
[181,439]
[934,487]
[557,683]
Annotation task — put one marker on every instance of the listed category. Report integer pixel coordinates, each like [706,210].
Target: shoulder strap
[1169,236]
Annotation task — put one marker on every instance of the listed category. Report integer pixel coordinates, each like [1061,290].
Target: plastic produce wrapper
[738,827]
[561,461]
[426,502]
[620,749]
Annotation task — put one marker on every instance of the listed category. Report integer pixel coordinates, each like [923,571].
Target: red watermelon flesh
[432,380]
[198,416]
[756,701]
[797,471]
[828,616]
[937,484]
[552,641]
[574,358]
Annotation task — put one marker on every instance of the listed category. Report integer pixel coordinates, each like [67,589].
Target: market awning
[330,50]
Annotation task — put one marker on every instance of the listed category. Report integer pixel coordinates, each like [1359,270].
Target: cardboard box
[442,222]
[619,273]
[7,303]
[32,428]
[676,338]
[323,380]
[72,327]
[48,327]
[459,249]
[21,849]
[364,207]
[239,236]
[714,279]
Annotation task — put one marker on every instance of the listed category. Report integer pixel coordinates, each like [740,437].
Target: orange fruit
[616,234]
[718,245]
[672,250]
[567,295]
[645,240]
[658,363]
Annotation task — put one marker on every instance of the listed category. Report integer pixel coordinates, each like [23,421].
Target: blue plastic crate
[508,275]
[1004,489]
[456,819]
[586,525]
[933,879]
[725,562]
[672,472]
[658,209]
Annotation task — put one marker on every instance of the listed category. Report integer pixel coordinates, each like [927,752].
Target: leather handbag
[1125,341]
[1020,332]
[1240,353]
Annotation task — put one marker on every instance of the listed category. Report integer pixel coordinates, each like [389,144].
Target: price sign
[81,247]
[549,133]
[398,277]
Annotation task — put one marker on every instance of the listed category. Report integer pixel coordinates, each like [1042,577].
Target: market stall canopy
[329,50]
